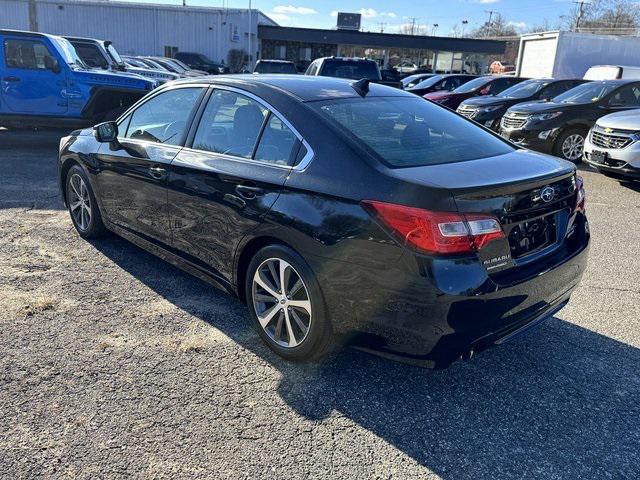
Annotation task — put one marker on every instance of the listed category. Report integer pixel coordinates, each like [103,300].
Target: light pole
[464,24]
[250,47]
[435,28]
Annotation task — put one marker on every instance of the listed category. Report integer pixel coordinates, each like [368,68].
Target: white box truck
[570,54]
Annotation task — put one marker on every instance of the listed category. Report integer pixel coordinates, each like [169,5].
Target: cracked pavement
[114,364]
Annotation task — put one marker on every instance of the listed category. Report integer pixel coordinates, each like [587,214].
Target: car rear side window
[26,54]
[278,144]
[231,124]
[163,118]
[407,132]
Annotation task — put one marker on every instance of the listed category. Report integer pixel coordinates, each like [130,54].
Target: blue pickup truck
[43,83]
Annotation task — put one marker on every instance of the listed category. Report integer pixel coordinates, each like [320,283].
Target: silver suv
[613,144]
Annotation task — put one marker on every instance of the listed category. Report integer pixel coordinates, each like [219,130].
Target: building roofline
[152,6]
[374,39]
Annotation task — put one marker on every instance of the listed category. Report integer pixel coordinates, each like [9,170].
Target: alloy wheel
[281,302]
[80,202]
[572,146]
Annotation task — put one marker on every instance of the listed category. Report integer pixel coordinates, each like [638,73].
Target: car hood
[541,107]
[123,79]
[627,120]
[519,166]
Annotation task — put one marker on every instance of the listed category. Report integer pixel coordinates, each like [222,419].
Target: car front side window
[25,54]
[163,118]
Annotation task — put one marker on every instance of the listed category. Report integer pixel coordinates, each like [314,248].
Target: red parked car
[487,85]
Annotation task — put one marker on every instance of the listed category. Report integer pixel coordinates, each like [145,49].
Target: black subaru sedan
[337,209]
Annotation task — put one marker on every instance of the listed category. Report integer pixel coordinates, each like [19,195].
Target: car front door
[33,80]
[238,159]
[132,172]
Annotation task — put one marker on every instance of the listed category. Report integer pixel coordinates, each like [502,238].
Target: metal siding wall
[138,29]
[14,14]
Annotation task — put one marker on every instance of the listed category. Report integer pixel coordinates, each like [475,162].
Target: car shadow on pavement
[560,402]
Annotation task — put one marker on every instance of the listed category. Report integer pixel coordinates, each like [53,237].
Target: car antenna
[361,87]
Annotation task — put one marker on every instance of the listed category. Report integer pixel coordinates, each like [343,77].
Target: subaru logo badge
[547,194]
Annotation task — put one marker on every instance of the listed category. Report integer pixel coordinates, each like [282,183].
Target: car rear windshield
[408,132]
[276,67]
[586,93]
[429,82]
[355,70]
[472,85]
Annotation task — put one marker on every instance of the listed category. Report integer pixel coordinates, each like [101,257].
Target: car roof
[348,59]
[306,88]
[270,60]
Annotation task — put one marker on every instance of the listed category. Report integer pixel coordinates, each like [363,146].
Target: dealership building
[445,54]
[153,29]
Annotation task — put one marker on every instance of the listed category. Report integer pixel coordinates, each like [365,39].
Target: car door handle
[249,192]
[11,79]
[157,172]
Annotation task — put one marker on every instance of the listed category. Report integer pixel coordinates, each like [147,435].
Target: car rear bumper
[431,312]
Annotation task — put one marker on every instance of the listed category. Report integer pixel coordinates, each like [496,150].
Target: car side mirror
[106,132]
[52,64]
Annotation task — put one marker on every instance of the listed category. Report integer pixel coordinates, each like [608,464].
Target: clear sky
[446,13]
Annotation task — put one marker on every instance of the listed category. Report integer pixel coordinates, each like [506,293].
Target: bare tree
[605,16]
[497,27]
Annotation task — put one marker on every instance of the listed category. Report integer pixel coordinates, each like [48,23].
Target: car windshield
[409,132]
[354,70]
[180,63]
[275,67]
[472,85]
[114,54]
[67,51]
[524,89]
[586,93]
[177,67]
[429,82]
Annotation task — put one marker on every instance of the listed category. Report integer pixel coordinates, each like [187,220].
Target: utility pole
[413,25]
[382,24]
[580,4]
[490,12]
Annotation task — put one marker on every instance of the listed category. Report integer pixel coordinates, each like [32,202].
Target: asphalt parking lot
[116,364]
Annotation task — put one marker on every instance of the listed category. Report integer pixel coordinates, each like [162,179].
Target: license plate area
[599,157]
[530,236]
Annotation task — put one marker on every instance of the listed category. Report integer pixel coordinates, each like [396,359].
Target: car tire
[82,205]
[297,331]
[570,144]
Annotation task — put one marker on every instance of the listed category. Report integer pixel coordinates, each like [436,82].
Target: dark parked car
[440,83]
[362,210]
[415,79]
[199,61]
[275,66]
[561,125]
[490,109]
[170,65]
[481,86]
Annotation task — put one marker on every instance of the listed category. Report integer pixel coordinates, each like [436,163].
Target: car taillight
[581,195]
[436,232]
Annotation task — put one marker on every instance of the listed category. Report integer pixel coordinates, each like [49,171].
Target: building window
[305,53]
[281,52]
[170,51]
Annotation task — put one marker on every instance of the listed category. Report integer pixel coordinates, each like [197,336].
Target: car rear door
[28,86]
[133,172]
[228,176]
